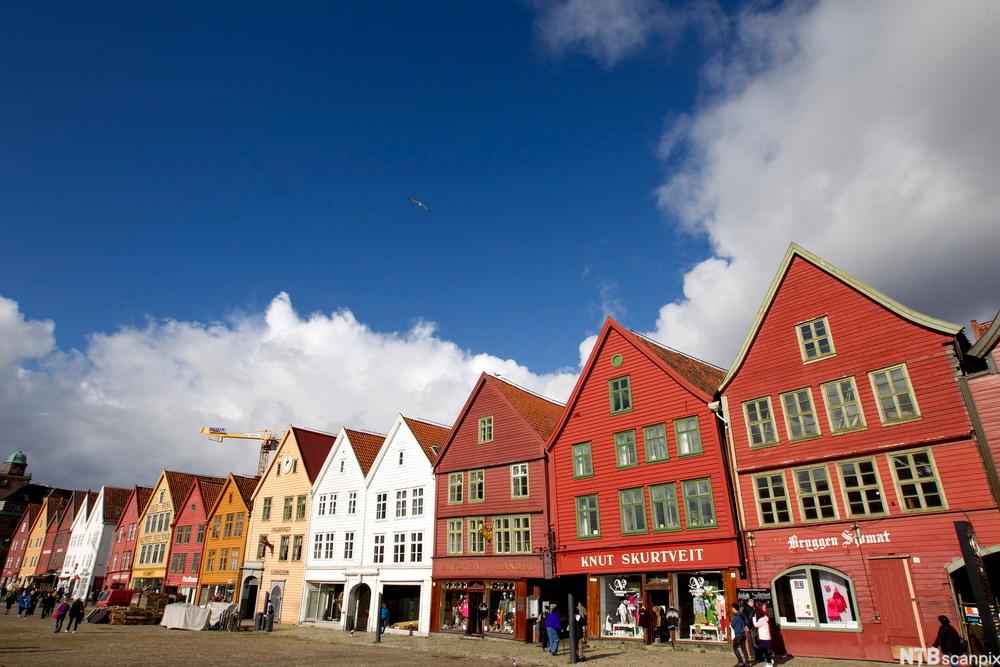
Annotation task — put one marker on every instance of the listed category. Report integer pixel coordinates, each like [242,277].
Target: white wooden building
[86,562]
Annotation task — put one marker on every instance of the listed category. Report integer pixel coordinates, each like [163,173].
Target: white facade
[89,547]
[399,528]
[336,541]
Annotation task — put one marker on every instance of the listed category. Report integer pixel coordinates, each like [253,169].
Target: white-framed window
[348,545]
[843,407]
[894,395]
[318,546]
[455,480]
[333,504]
[815,492]
[454,536]
[815,341]
[381,501]
[815,597]
[477,485]
[918,485]
[477,541]
[399,547]
[760,422]
[519,480]
[416,547]
[321,506]
[379,554]
[401,503]
[328,546]
[417,501]
[486,429]
[352,502]
[800,414]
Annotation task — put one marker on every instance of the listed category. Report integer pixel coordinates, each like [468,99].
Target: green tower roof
[17,457]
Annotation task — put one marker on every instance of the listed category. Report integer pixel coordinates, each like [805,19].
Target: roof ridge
[312,430]
[429,422]
[649,339]
[534,393]
[366,431]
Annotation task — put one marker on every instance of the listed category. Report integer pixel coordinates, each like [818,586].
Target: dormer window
[486,429]
[815,341]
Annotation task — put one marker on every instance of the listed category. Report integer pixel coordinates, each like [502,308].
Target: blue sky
[186,161]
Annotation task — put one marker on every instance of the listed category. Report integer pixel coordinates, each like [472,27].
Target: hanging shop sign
[844,540]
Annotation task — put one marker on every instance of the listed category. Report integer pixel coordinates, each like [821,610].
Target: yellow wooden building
[275,547]
[227,524]
[149,564]
[51,510]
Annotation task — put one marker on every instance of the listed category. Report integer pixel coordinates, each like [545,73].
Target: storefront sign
[844,540]
[660,557]
[279,573]
[485,567]
[281,529]
[189,580]
[711,555]
[756,594]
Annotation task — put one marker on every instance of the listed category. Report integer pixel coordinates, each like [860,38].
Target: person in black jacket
[75,615]
[948,639]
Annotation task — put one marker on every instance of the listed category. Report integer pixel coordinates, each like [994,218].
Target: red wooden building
[18,545]
[491,540]
[123,546]
[855,455]
[188,538]
[640,491]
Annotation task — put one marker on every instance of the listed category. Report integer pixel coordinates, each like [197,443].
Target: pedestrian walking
[32,603]
[75,615]
[763,625]
[553,625]
[673,621]
[10,600]
[383,617]
[738,628]
[22,604]
[48,604]
[949,641]
[543,636]
[62,609]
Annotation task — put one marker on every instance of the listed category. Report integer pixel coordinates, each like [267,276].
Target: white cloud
[133,401]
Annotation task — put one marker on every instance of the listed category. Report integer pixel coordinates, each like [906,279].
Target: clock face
[287,463]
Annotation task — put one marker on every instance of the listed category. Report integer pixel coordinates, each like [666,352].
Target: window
[131,531]
[328,546]
[417,502]
[519,480]
[455,488]
[454,536]
[318,546]
[341,465]
[234,556]
[815,494]
[216,527]
[228,530]
[300,508]
[400,457]
[209,560]
[512,534]
[162,496]
[201,534]
[296,548]
[286,513]
[401,503]
[477,485]
[283,548]
[477,541]
[625,449]
[800,417]
[663,503]
[416,547]
[583,464]
[588,520]
[633,509]
[688,436]
[486,429]
[843,410]
[265,510]
[333,504]
[655,438]
[772,499]
[862,487]
[352,502]
[621,395]
[815,597]
[381,500]
[261,548]
[321,506]
[698,503]
[893,395]
[399,548]
[238,530]
[349,545]
[760,422]
[379,555]
[182,535]
[916,481]
[814,340]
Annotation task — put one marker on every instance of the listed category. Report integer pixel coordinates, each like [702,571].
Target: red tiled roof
[429,436]
[314,446]
[115,500]
[180,483]
[366,446]
[541,413]
[246,485]
[142,494]
[210,493]
[702,375]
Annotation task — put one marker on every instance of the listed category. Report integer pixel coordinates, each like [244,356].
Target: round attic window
[617,360]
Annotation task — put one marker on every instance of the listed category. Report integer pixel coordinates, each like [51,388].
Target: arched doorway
[248,597]
[964,598]
[276,590]
[359,603]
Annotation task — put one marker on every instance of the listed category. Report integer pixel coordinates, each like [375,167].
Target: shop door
[362,600]
[657,603]
[475,625]
[896,600]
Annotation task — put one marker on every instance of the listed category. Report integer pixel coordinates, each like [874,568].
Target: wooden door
[896,601]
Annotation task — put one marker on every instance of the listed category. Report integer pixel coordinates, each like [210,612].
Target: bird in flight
[417,202]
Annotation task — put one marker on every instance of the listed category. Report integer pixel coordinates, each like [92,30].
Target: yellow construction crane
[268,442]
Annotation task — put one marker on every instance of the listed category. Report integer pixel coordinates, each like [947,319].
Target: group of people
[56,605]
[552,628]
[750,630]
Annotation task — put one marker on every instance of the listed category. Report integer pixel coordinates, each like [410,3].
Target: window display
[620,602]
[702,606]
[454,609]
[495,607]
[324,602]
[815,597]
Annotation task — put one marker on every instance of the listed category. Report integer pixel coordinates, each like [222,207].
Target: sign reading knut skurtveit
[650,559]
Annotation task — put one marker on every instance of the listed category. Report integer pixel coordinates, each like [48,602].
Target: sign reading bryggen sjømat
[708,555]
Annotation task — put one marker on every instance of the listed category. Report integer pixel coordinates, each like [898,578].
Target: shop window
[814,597]
[633,511]
[772,499]
[588,522]
[814,340]
[688,436]
[454,609]
[485,429]
[477,538]
[663,503]
[625,449]
[455,487]
[862,488]
[894,395]
[620,599]
[621,394]
[324,602]
[815,494]
[800,416]
[519,480]
[583,464]
[454,536]
[698,503]
[655,439]
[917,482]
[760,422]
[843,409]
[477,485]
[702,606]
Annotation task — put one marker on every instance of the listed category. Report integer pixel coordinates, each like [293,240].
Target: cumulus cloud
[132,402]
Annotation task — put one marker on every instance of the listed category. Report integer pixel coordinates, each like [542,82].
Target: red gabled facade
[188,538]
[491,531]
[640,490]
[855,455]
[18,545]
[123,546]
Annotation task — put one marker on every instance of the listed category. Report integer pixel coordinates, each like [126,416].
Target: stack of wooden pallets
[131,616]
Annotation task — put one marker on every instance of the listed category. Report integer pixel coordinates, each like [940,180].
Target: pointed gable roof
[180,483]
[428,435]
[887,302]
[313,447]
[115,500]
[245,485]
[210,492]
[698,377]
[91,502]
[142,496]
[366,446]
